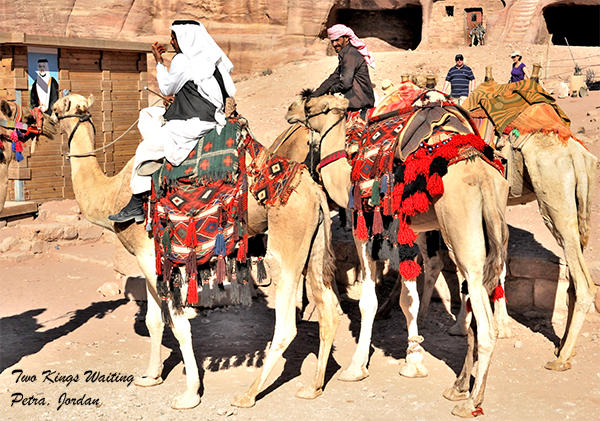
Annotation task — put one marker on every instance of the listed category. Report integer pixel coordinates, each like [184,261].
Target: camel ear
[67,103]
[5,108]
[90,101]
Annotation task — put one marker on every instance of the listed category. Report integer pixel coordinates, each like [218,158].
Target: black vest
[189,103]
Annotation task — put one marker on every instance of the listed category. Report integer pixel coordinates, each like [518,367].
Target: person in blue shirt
[460,80]
[518,68]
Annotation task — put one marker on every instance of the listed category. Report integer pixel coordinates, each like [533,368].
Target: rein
[333,156]
[81,118]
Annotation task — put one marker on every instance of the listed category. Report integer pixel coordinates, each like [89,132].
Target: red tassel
[406,235]
[409,269]
[377,221]
[190,237]
[192,289]
[387,204]
[435,185]
[468,307]
[498,293]
[361,228]
[158,261]
[417,203]
[241,254]
[221,270]
[397,197]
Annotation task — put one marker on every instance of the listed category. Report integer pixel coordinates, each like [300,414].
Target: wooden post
[535,73]
[488,74]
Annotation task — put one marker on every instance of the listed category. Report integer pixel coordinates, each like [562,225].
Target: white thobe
[173,140]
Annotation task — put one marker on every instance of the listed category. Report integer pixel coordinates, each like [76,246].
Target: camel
[461,224]
[561,175]
[290,246]
[8,110]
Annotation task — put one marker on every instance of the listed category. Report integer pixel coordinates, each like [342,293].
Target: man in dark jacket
[351,77]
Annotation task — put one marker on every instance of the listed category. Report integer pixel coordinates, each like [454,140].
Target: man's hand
[157,51]
[168,100]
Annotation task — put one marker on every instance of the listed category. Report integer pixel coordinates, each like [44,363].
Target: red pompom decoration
[409,269]
[361,228]
[498,293]
[435,185]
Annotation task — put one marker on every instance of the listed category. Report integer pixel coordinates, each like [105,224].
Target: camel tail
[321,259]
[496,229]
[584,164]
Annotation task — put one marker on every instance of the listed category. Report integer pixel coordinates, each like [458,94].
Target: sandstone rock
[7,244]
[109,289]
[534,267]
[50,232]
[3,223]
[37,247]
[519,293]
[90,233]
[69,232]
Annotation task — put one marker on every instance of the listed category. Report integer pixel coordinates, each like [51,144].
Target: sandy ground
[52,318]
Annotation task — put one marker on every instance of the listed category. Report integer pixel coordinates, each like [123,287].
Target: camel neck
[94,191]
[335,176]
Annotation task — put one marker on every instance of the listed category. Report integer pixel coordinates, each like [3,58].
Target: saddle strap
[332,158]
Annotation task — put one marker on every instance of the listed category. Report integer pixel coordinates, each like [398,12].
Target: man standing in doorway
[461,80]
[351,77]
[44,91]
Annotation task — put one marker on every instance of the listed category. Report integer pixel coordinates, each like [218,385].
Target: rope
[93,152]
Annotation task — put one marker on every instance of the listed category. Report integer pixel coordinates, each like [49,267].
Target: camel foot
[557,353]
[457,329]
[244,401]
[353,375]
[467,410]
[308,392]
[558,365]
[413,370]
[147,381]
[187,400]
[504,332]
[453,394]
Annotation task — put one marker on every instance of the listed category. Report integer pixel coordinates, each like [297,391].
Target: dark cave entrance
[578,23]
[400,28]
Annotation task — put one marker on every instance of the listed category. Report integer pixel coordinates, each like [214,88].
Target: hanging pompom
[417,203]
[241,253]
[435,185]
[406,235]
[498,293]
[375,193]
[361,228]
[397,197]
[377,221]
[409,269]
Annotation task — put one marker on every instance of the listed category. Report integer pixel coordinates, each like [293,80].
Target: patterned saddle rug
[388,191]
[199,214]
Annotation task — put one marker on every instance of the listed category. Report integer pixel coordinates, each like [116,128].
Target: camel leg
[368,307]
[460,389]
[285,332]
[555,183]
[500,311]
[409,302]
[329,310]
[183,333]
[432,275]
[441,287]
[155,325]
[463,319]
[154,322]
[288,246]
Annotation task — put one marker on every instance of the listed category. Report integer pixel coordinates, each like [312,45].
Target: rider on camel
[200,80]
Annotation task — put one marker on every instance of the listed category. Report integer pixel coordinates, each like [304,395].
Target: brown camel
[8,110]
[461,224]
[288,250]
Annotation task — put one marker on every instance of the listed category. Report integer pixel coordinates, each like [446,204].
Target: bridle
[315,169]
[81,118]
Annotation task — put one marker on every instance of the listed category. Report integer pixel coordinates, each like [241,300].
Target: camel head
[314,111]
[73,104]
[8,111]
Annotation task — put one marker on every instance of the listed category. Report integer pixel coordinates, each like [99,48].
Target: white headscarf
[204,56]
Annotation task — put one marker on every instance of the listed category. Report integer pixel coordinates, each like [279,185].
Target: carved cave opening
[578,23]
[400,28]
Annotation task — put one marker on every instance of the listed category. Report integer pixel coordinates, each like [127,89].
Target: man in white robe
[200,80]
